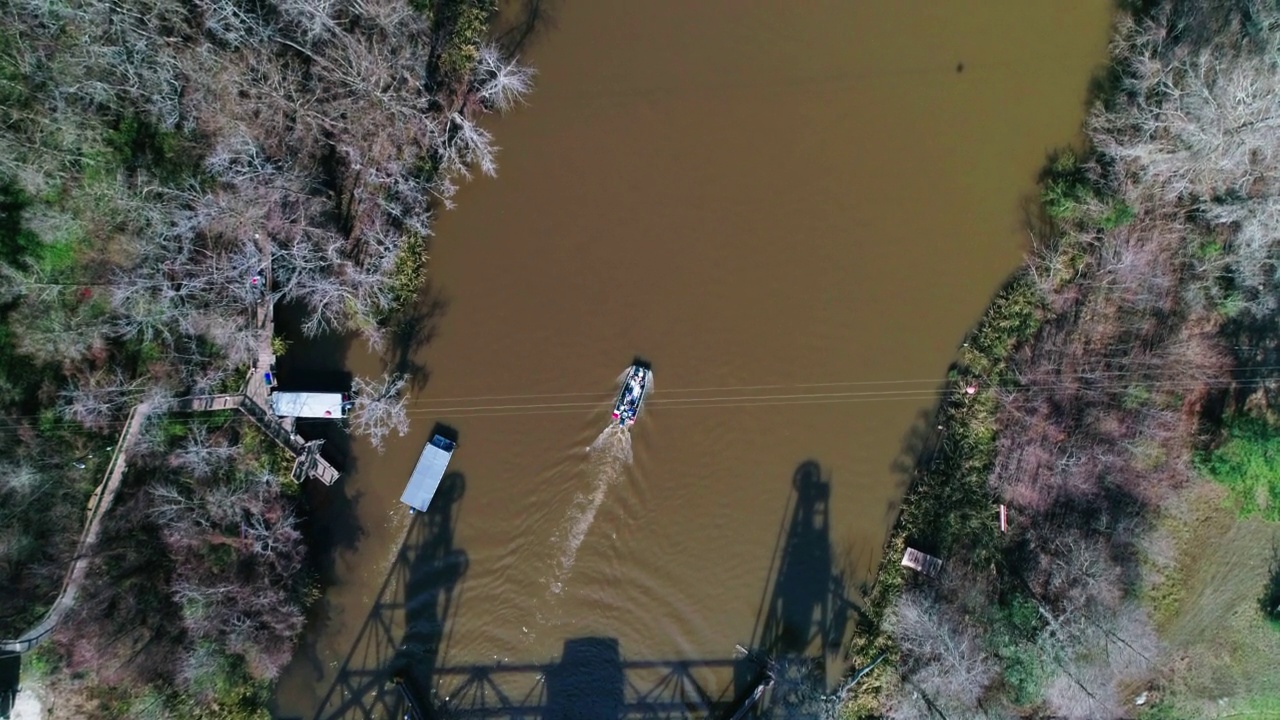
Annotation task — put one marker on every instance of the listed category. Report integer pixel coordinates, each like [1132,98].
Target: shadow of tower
[804,613]
[587,683]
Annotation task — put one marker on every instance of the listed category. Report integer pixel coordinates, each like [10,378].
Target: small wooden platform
[308,462]
[921,562]
[203,403]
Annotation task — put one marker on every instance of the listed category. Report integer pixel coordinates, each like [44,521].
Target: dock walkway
[308,464]
[255,402]
[99,502]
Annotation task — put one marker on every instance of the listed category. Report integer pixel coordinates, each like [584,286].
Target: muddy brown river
[794,211]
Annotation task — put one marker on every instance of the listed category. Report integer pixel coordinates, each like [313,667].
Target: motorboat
[635,383]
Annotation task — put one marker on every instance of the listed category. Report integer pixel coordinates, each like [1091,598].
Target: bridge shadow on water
[396,667]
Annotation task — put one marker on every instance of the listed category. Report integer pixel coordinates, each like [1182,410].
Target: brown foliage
[188,558]
[945,661]
[124,628]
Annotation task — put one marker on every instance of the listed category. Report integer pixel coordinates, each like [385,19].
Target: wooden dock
[265,325]
[255,402]
[308,463]
[921,562]
[206,403]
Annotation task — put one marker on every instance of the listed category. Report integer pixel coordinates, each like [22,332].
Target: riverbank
[142,202]
[1080,402]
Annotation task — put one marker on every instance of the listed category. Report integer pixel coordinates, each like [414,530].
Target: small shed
[427,474]
[921,562]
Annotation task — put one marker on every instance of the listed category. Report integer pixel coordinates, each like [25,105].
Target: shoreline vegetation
[1123,406]
[154,157]
[1123,409]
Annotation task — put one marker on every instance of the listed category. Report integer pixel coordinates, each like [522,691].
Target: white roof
[427,474]
[307,404]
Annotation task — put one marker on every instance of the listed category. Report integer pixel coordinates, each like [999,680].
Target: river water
[794,211]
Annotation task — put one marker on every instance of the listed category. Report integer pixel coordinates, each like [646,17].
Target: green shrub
[16,242]
[1248,464]
[1118,215]
[1023,673]
[232,383]
[1069,195]
[1015,631]
[290,487]
[464,24]
[279,345]
[409,273]
[1231,304]
[174,430]
[1162,710]
[1067,192]
[41,662]
[136,142]
[152,704]
[223,690]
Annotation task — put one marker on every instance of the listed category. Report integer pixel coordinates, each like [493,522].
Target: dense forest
[1119,399]
[154,157]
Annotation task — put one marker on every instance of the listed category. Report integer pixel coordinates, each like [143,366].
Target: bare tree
[1100,655]
[18,479]
[944,653]
[500,83]
[380,407]
[100,398]
[202,455]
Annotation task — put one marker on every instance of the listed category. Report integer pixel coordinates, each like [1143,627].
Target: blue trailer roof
[427,474]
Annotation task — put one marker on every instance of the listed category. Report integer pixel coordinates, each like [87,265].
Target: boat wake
[608,458]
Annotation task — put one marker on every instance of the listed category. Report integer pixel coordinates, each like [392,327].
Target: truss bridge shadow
[406,625]
[395,669]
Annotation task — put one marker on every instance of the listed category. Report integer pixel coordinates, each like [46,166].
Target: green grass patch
[1208,610]
[463,24]
[409,273]
[41,662]
[59,258]
[1248,464]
